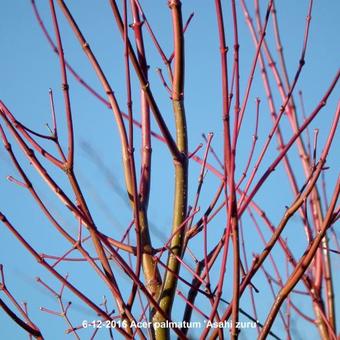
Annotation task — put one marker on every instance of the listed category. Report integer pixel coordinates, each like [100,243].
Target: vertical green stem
[181,175]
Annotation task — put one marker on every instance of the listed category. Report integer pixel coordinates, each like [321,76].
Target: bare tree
[197,241]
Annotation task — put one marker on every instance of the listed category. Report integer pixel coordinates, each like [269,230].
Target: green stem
[181,176]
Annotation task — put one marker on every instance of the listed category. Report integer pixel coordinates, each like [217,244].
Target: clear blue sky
[28,68]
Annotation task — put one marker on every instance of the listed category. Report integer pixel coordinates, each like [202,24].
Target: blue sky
[28,68]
